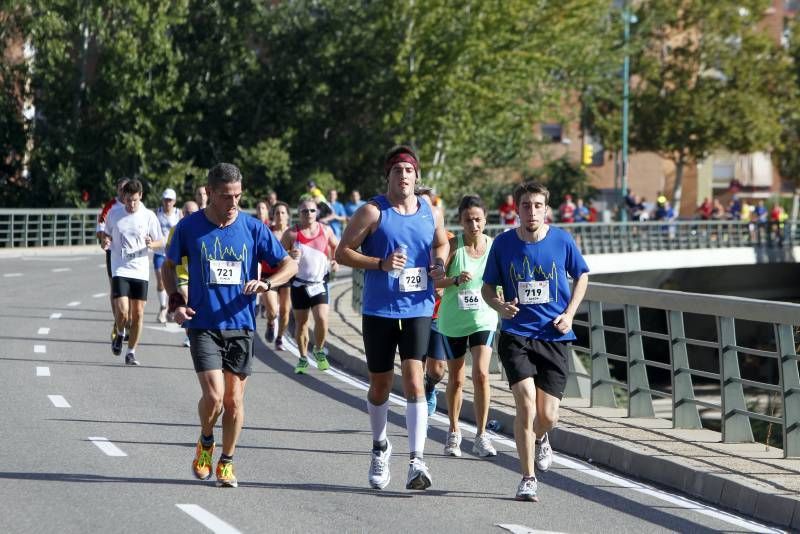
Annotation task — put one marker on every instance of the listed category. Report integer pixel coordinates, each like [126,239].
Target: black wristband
[455,281]
[176,300]
[269,283]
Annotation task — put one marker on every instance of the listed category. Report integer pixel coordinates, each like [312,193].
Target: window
[551,132]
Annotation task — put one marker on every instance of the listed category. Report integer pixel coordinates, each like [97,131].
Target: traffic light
[588,154]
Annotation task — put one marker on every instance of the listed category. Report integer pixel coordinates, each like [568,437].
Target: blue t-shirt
[336,226]
[535,273]
[382,294]
[351,207]
[217,297]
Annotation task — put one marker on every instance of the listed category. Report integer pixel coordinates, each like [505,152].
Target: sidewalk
[745,478]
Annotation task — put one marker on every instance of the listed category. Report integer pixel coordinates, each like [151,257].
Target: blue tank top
[382,296]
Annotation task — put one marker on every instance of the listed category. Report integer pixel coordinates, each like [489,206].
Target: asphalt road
[90,445]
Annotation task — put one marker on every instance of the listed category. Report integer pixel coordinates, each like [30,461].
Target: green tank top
[463,311]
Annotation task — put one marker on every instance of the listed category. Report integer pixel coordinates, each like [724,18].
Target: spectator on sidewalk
[508,211]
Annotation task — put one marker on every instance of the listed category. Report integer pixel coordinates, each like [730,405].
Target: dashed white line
[59,401]
[107,447]
[60,270]
[40,349]
[99,295]
[12,275]
[43,331]
[42,371]
[55,316]
[522,529]
[74,303]
[207,519]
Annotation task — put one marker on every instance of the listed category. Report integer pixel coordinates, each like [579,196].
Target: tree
[704,77]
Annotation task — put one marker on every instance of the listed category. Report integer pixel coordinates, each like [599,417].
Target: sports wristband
[455,281]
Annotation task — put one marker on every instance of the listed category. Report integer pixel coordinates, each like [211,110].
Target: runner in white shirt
[130,234]
[168,216]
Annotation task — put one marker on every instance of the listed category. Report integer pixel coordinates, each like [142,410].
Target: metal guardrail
[728,398]
[23,227]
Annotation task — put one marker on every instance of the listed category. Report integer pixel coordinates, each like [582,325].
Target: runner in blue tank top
[531,264]
[224,248]
[397,303]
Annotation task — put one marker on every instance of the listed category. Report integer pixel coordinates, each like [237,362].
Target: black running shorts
[456,347]
[229,350]
[133,288]
[384,336]
[436,344]
[302,301]
[544,361]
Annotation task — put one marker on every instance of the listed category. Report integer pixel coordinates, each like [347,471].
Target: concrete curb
[78,250]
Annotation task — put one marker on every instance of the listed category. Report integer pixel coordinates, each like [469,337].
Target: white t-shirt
[168,222]
[129,256]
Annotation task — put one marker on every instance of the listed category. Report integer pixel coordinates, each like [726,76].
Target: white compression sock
[417,425]
[377,419]
[162,298]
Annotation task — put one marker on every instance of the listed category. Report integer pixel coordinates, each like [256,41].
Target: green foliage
[265,166]
[705,76]
[562,177]
[786,154]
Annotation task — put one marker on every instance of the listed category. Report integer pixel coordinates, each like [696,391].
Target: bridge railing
[772,365]
[615,237]
[708,360]
[23,227]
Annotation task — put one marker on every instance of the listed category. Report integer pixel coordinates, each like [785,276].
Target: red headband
[402,157]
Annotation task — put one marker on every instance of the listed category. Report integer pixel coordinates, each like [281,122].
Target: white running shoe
[453,445]
[379,475]
[544,454]
[186,342]
[419,478]
[526,491]
[162,316]
[483,446]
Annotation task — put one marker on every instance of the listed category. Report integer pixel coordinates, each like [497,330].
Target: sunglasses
[307,210]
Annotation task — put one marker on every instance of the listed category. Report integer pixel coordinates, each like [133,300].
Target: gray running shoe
[130,359]
[526,491]
[419,478]
[453,445]
[483,446]
[544,454]
[379,475]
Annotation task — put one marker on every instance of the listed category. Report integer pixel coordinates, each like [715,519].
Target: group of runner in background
[428,294]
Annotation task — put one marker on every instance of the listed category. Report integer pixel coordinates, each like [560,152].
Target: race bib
[315,289]
[225,272]
[414,279]
[131,254]
[469,299]
[535,292]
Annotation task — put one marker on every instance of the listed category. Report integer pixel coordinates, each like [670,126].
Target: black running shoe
[116,345]
[130,359]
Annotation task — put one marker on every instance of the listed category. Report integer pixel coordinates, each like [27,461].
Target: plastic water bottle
[493,425]
[403,249]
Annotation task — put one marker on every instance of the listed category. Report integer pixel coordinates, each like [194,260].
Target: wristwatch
[269,283]
[455,281]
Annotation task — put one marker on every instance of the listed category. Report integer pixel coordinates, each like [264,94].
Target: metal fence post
[602,393]
[684,414]
[640,402]
[790,382]
[735,426]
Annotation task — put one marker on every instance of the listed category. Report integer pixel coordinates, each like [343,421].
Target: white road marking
[59,401]
[12,275]
[74,303]
[42,371]
[99,295]
[670,498]
[40,349]
[43,331]
[107,447]
[207,519]
[55,316]
[60,270]
[522,529]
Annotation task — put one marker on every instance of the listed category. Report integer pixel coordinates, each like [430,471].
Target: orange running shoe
[226,477]
[201,466]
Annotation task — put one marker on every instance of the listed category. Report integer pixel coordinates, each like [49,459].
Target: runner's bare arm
[287,268]
[333,242]
[440,250]
[563,322]
[177,303]
[363,222]
[507,310]
[447,282]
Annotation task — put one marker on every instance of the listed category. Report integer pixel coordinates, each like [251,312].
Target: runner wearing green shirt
[466,320]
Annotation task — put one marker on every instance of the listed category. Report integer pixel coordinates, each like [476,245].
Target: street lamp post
[626,75]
